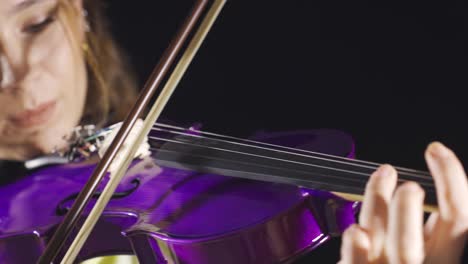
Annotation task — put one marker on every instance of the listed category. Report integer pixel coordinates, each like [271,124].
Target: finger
[374,211]
[447,238]
[355,246]
[405,243]
[430,225]
[450,180]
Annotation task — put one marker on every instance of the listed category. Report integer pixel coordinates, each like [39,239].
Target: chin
[51,139]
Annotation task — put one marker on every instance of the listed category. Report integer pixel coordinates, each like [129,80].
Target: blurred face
[42,77]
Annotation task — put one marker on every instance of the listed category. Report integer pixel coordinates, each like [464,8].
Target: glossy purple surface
[181,216]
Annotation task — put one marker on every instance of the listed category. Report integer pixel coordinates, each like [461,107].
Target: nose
[12,70]
[7,77]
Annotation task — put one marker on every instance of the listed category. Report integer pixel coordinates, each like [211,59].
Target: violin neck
[345,177]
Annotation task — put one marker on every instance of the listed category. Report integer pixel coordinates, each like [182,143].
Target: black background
[393,77]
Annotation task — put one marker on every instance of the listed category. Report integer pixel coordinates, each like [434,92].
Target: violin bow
[64,229]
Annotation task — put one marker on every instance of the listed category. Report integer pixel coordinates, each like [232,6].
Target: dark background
[393,77]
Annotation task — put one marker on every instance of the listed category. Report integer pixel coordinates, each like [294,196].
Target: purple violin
[199,198]
[168,215]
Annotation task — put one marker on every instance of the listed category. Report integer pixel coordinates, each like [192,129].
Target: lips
[34,117]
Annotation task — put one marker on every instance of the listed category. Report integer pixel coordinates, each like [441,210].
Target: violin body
[167,215]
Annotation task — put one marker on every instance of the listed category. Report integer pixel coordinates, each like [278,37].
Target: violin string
[361,179]
[418,176]
[356,188]
[347,182]
[349,161]
[402,174]
[335,169]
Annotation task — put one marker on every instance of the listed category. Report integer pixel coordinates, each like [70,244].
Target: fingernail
[438,150]
[412,189]
[412,186]
[384,170]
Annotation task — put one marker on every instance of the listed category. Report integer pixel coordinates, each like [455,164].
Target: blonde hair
[111,82]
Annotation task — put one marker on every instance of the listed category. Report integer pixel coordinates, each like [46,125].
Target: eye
[38,27]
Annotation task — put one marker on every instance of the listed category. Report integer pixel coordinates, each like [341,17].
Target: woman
[53,76]
[58,63]
[60,68]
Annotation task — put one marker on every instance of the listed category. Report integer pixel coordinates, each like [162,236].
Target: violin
[199,198]
[164,214]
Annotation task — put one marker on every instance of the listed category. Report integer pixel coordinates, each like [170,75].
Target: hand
[391,228]
[142,152]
